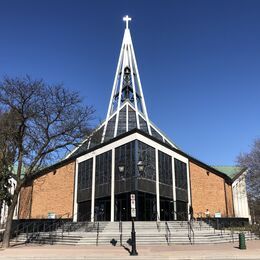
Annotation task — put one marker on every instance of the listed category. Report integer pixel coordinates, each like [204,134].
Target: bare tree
[48,119]
[7,155]
[251,161]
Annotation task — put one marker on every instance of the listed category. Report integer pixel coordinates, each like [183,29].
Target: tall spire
[127,109]
[127,94]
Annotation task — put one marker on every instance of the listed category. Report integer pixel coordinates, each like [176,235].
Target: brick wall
[51,193]
[25,200]
[208,192]
[229,197]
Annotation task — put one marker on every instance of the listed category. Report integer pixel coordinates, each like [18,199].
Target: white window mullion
[113,186]
[174,189]
[75,210]
[93,189]
[157,185]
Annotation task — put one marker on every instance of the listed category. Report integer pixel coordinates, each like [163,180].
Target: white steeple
[127,88]
[127,109]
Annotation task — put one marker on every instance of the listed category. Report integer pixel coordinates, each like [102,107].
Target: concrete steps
[147,233]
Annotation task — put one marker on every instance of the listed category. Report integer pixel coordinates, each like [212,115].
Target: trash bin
[242,241]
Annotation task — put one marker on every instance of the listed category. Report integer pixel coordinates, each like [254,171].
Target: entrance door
[102,209]
[84,210]
[145,207]
[182,210]
[146,210]
[122,207]
[166,209]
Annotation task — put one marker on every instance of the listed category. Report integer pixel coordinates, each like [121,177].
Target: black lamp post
[133,238]
[121,169]
[140,167]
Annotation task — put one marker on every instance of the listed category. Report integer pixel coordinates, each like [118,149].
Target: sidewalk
[218,251]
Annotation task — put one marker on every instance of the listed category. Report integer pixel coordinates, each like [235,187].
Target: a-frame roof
[95,138]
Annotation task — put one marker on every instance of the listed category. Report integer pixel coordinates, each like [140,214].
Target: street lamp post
[133,238]
[140,167]
[121,169]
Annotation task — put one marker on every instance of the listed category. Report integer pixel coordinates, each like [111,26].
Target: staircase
[147,233]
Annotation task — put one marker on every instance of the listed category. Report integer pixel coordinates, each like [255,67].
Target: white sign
[133,213]
[51,215]
[218,215]
[132,204]
[132,196]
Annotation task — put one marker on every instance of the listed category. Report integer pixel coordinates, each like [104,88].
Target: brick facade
[229,198]
[54,191]
[25,201]
[50,193]
[209,191]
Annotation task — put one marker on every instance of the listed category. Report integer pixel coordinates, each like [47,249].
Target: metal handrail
[190,232]
[158,222]
[32,223]
[25,228]
[97,234]
[34,228]
[167,233]
[121,232]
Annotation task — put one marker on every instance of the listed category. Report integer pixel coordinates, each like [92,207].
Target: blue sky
[199,62]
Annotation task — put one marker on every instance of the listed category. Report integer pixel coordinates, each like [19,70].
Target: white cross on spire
[127,19]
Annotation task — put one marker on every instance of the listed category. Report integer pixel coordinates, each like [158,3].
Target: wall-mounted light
[121,168]
[140,166]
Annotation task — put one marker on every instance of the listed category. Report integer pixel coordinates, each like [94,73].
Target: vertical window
[180,174]
[103,175]
[103,168]
[146,155]
[85,174]
[125,156]
[165,168]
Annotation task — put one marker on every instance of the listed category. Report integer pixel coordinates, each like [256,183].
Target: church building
[129,168]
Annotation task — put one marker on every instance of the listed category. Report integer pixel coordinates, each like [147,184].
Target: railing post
[27,234]
[37,230]
[33,229]
[121,233]
[97,234]
[62,230]
[17,230]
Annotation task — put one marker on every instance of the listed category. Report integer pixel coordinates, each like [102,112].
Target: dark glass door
[146,210]
[166,209]
[102,209]
[122,207]
[84,210]
[182,210]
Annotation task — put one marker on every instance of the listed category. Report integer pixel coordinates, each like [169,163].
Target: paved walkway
[218,251]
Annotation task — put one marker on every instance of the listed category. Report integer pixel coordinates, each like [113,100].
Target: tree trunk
[9,220]
[1,204]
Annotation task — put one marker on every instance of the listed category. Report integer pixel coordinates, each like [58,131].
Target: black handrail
[32,228]
[231,227]
[97,234]
[167,233]
[27,224]
[158,222]
[190,232]
[121,232]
